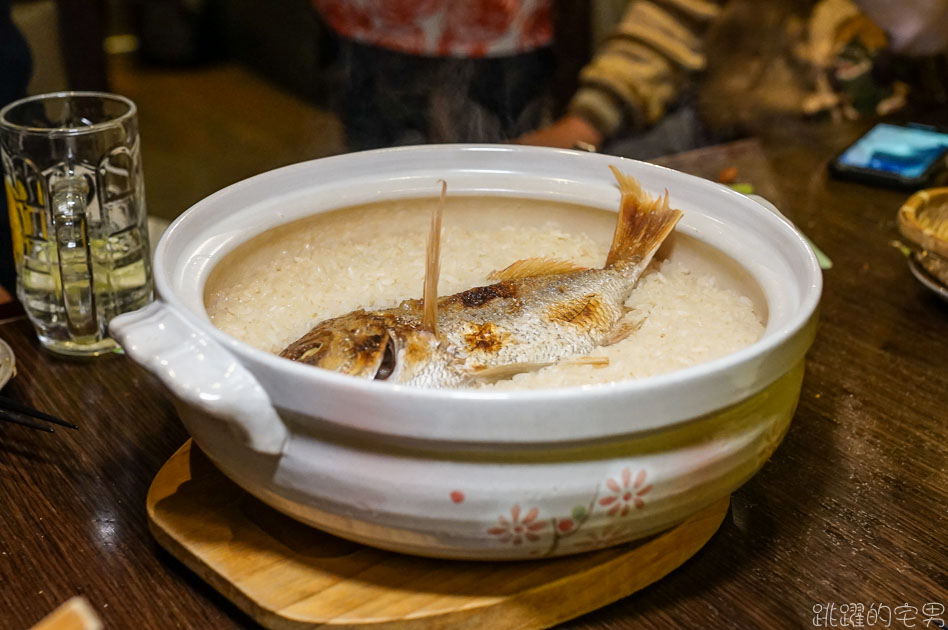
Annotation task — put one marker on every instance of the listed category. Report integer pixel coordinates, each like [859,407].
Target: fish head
[359,344]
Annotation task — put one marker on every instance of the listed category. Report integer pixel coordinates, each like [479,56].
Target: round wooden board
[287,575]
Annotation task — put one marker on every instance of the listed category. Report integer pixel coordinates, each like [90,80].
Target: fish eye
[387,366]
[311,351]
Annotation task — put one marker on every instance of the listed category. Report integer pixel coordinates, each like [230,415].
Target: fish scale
[534,334]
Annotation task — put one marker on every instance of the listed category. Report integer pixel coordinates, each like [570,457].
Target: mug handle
[70,229]
[201,373]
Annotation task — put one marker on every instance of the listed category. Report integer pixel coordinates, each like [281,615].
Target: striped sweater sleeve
[640,68]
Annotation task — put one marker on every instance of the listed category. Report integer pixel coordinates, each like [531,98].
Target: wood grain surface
[850,509]
[289,576]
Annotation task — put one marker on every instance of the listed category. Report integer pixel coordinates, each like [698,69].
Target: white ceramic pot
[476,474]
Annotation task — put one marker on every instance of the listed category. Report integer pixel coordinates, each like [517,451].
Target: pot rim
[810,284]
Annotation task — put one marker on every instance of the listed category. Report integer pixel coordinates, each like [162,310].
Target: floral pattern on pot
[625,494]
[515,530]
[605,536]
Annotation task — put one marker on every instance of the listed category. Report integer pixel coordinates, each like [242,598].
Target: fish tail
[644,223]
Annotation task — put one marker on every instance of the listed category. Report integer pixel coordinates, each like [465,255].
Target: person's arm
[636,74]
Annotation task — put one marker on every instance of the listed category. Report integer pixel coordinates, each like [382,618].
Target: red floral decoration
[627,494]
[516,529]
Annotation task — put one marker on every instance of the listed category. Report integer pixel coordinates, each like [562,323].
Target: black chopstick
[10,409]
[17,418]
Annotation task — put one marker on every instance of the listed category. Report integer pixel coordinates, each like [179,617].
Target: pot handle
[201,373]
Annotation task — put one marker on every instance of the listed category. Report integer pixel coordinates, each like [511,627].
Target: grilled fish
[538,312]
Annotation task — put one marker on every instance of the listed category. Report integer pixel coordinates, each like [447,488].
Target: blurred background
[225,89]
[230,88]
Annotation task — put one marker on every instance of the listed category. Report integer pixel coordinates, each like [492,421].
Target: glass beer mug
[73,176]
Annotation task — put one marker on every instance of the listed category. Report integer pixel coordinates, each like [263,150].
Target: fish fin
[509,370]
[643,223]
[529,267]
[503,372]
[596,362]
[621,332]
[429,317]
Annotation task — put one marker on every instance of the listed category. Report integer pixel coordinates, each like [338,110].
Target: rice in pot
[273,289]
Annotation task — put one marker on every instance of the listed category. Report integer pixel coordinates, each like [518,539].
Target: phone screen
[907,152]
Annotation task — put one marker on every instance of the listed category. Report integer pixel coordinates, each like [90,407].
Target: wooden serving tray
[287,575]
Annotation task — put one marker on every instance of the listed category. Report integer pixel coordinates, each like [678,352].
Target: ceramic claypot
[468,473]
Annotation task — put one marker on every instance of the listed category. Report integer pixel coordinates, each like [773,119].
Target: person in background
[15,70]
[416,71]
[634,94]
[636,78]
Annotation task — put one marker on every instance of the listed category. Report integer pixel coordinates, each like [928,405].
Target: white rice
[274,289]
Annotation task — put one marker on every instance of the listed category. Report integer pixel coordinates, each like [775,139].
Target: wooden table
[850,510]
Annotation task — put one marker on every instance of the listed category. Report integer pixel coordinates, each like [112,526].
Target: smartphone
[901,156]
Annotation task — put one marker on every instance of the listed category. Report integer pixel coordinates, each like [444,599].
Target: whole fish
[539,311]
